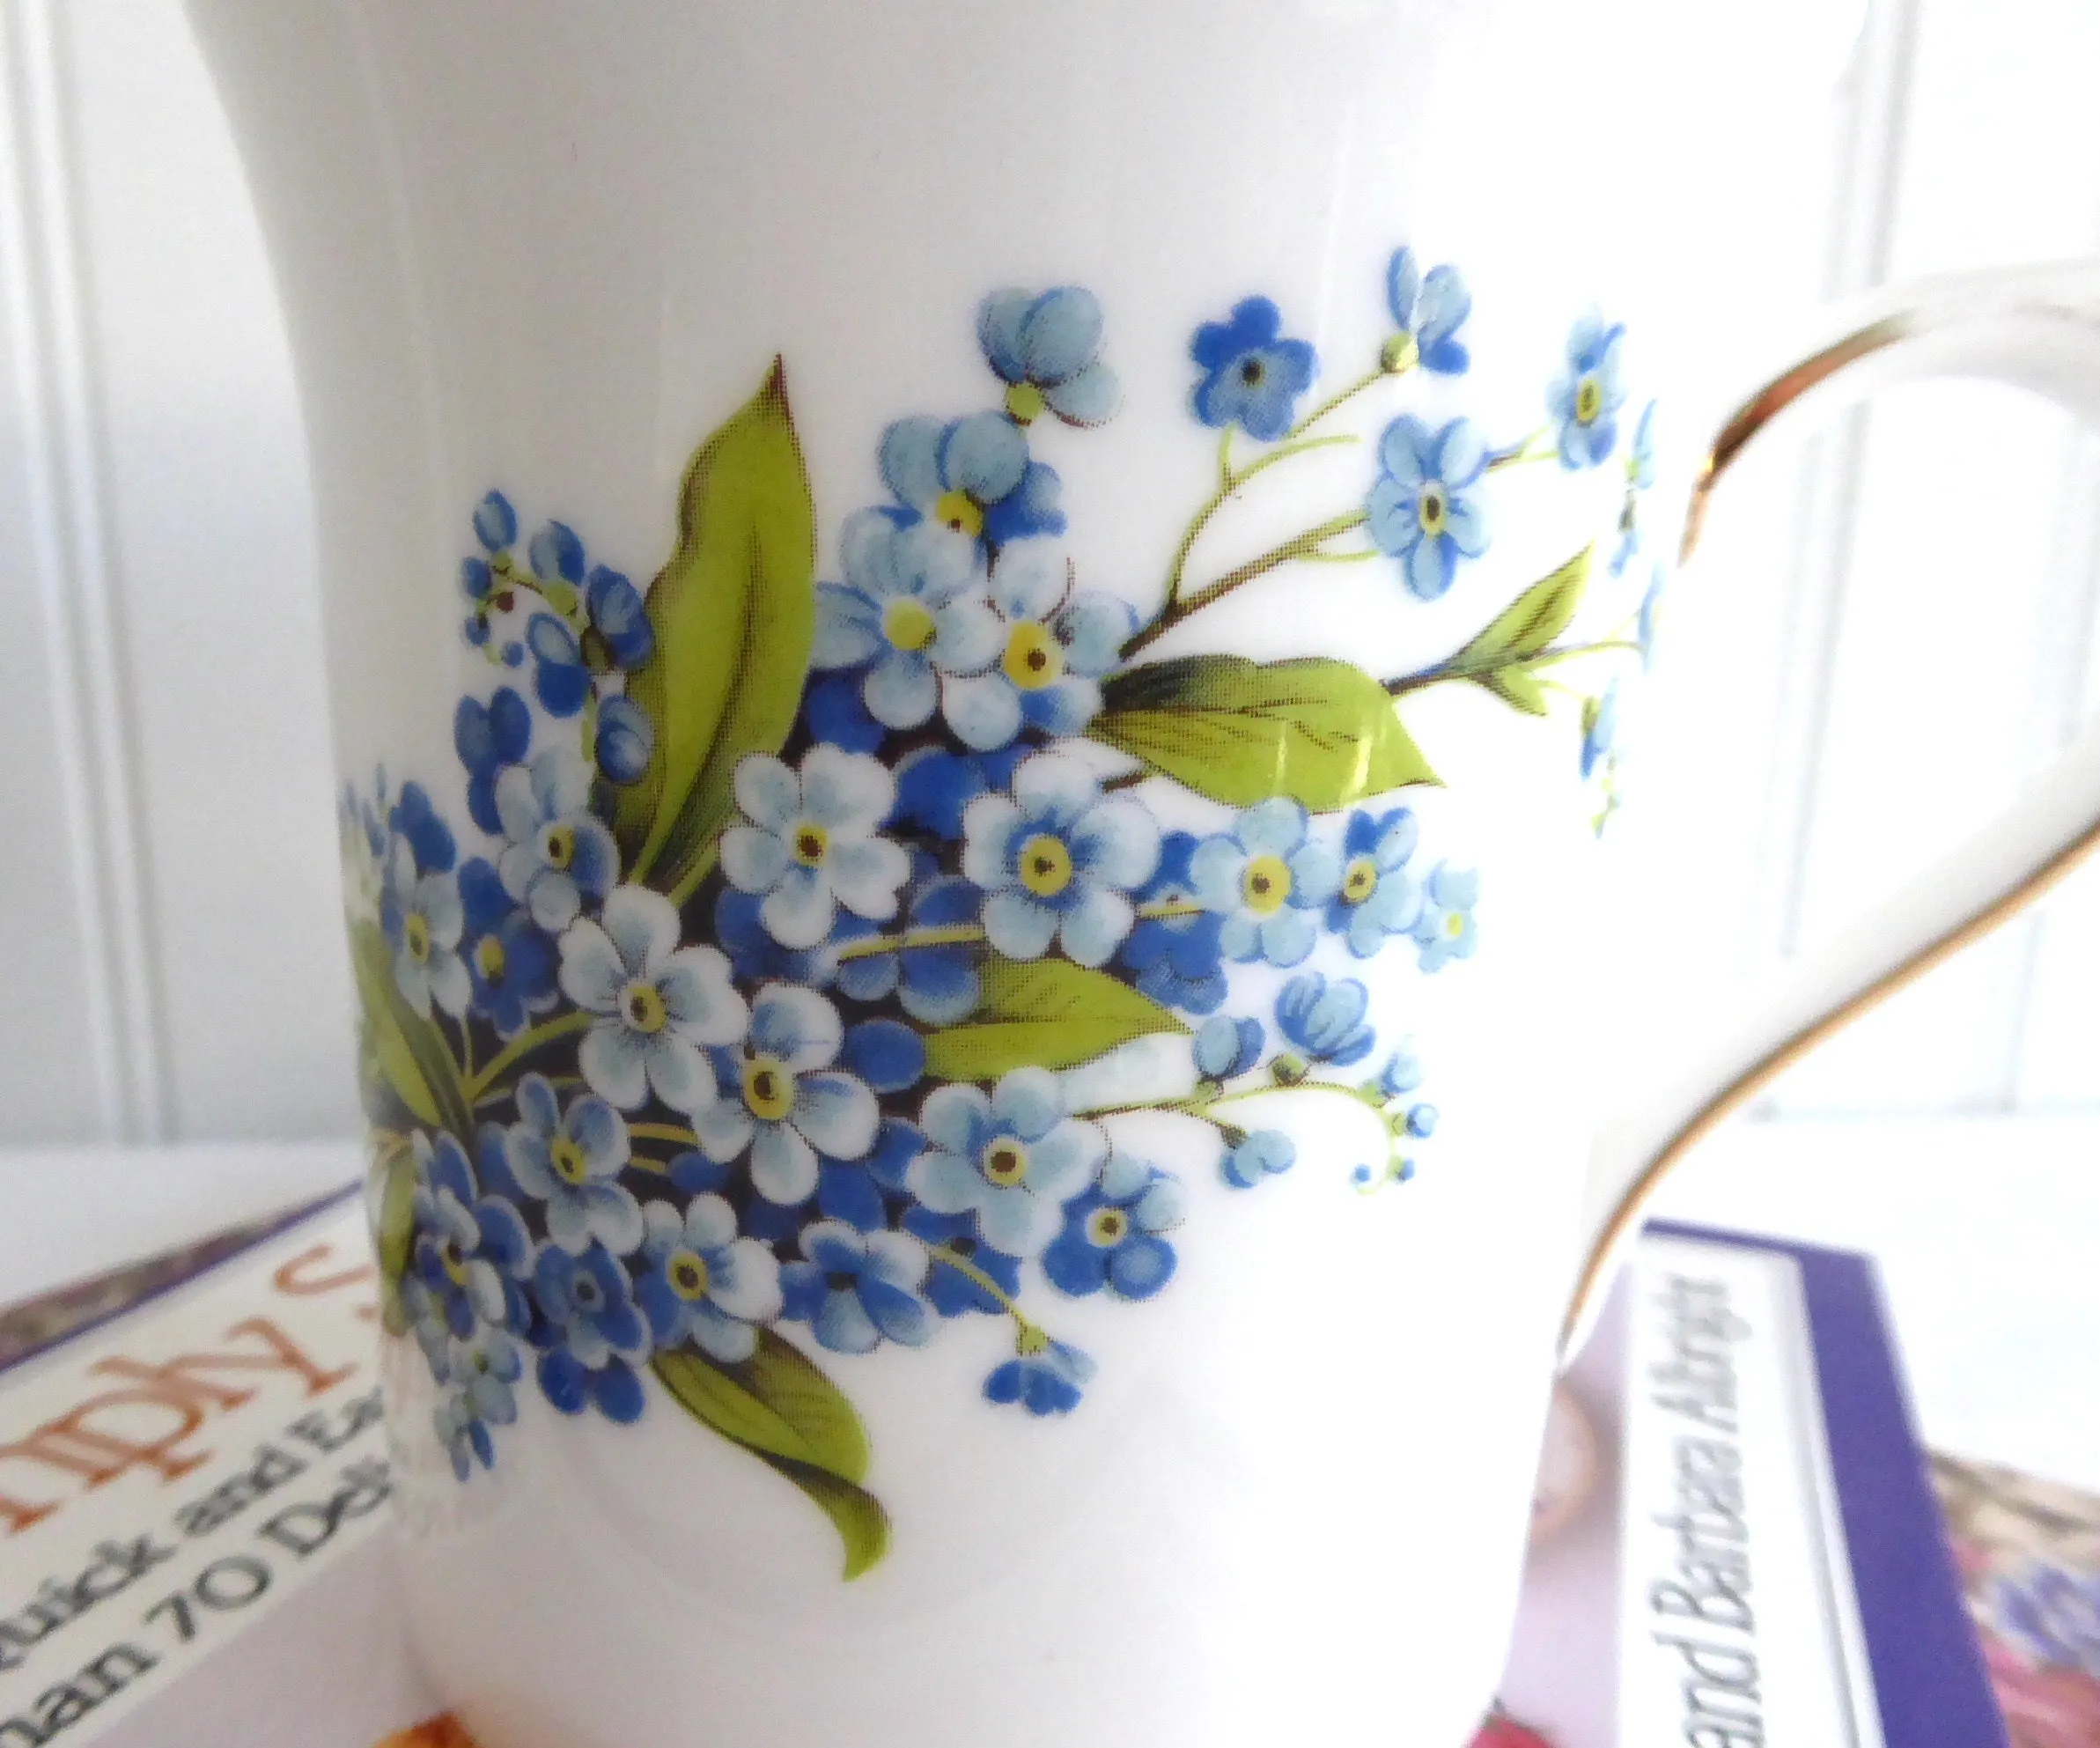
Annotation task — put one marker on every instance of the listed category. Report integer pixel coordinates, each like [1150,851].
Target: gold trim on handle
[1735,436]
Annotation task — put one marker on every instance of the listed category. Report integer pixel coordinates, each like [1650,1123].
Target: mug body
[974,650]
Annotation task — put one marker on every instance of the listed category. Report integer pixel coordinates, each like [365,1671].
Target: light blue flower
[1268,879]
[559,852]
[702,1282]
[937,985]
[659,1004]
[911,609]
[1445,929]
[1047,350]
[1600,729]
[1250,1159]
[465,1438]
[1640,477]
[1375,899]
[592,1328]
[1422,509]
[1402,1073]
[1058,860]
[1586,398]
[972,475]
[423,921]
[1053,645]
[510,958]
[1227,1047]
[812,844]
[1651,615]
[1429,309]
[469,1251]
[571,1162]
[788,1103]
[1252,375]
[495,522]
[1177,958]
[1326,1019]
[1044,1379]
[1014,1158]
[626,740]
[483,1367]
[1112,1232]
[856,1290]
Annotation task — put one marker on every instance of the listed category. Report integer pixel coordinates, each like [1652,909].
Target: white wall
[167,911]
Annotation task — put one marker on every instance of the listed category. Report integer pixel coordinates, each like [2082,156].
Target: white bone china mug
[975,649]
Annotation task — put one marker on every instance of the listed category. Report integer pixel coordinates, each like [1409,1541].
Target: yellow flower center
[810,844]
[768,1088]
[1399,355]
[1454,925]
[907,624]
[558,845]
[1045,865]
[1033,657]
[416,934]
[1589,400]
[1006,1162]
[1024,403]
[1265,885]
[687,1271]
[1433,508]
[642,1006]
[455,1265]
[1359,880]
[489,959]
[569,1163]
[1108,1227]
[958,511]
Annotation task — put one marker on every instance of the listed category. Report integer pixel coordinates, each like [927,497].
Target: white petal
[865,876]
[847,793]
[835,1113]
[750,1287]
[988,826]
[797,1025]
[703,1004]
[984,710]
[783,1166]
[614,1062]
[724,1130]
[769,792]
[1018,926]
[799,911]
[681,1076]
[591,973]
[515,807]
[754,859]
[643,926]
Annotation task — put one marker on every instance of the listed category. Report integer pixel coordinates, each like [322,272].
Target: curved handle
[2035,328]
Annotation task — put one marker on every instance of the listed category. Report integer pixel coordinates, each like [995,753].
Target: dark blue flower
[1266,1152]
[470,1251]
[890,1057]
[1226,1047]
[934,787]
[1177,961]
[855,1289]
[1429,309]
[488,737]
[613,1389]
[756,957]
[1586,398]
[587,1304]
[1422,509]
[557,552]
[972,475]
[937,985]
[1252,376]
[1047,350]
[949,1289]
[415,820]
[1044,1380]
[2051,1614]
[1326,1019]
[512,962]
[626,740]
[834,710]
[559,675]
[702,1282]
[1111,1237]
[858,1191]
[615,607]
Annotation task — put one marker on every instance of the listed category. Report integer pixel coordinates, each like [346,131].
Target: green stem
[1299,546]
[964,934]
[971,1272]
[1529,450]
[663,1132]
[1341,1088]
[523,1045]
[1228,482]
[1339,400]
[1455,669]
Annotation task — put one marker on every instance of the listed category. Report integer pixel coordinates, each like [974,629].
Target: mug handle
[2036,328]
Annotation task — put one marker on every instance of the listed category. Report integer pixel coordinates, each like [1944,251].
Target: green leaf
[1323,733]
[411,1052]
[390,1193]
[782,1408]
[1526,627]
[1047,1014]
[734,614]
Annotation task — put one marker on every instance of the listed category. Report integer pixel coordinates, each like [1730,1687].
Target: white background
[168,921]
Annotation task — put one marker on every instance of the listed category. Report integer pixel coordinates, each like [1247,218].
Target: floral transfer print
[723,1036]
